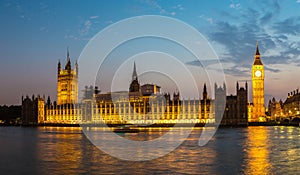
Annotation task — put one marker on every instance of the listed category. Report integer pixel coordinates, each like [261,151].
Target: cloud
[178,7]
[298,1]
[289,26]
[153,4]
[87,26]
[94,17]
[156,6]
[202,63]
[237,71]
[238,34]
[71,37]
[235,6]
[7,4]
[109,22]
[207,19]
[266,18]
[271,69]
[43,29]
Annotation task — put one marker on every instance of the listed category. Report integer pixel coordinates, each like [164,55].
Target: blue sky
[35,34]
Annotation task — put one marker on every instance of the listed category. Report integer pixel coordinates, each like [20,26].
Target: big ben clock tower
[258,75]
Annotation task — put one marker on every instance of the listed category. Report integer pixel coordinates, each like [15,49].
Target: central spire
[134,85]
[134,74]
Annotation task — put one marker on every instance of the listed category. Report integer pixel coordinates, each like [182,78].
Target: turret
[204,92]
[76,67]
[58,67]
[48,101]
[68,65]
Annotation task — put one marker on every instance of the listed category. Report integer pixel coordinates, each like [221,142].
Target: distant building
[235,110]
[275,109]
[291,106]
[150,89]
[33,110]
[220,102]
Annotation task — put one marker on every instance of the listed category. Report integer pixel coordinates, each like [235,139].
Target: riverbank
[158,125]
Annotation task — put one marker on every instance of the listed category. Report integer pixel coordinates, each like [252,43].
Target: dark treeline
[10,114]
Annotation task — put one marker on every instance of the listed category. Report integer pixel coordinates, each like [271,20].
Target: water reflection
[59,148]
[228,143]
[257,151]
[252,150]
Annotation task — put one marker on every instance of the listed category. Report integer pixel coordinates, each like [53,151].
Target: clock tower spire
[258,76]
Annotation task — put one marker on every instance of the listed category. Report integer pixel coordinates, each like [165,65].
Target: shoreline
[167,125]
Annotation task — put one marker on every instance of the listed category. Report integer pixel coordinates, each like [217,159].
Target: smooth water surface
[66,150]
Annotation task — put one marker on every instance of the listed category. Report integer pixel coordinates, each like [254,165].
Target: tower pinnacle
[257,60]
[257,50]
[134,86]
[58,67]
[134,74]
[68,65]
[68,55]
[204,92]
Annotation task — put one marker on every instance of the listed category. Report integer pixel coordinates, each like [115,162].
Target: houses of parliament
[145,104]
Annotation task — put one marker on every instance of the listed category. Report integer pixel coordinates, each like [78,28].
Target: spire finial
[134,67]
[134,74]
[204,92]
[58,66]
[68,54]
[257,50]
[68,65]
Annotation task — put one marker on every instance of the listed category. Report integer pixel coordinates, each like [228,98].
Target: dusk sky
[35,35]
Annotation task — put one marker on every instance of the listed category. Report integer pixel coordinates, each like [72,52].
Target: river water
[66,150]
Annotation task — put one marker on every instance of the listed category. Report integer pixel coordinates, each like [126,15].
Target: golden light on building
[141,105]
[258,75]
[67,83]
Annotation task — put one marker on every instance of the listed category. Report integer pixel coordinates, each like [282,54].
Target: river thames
[66,150]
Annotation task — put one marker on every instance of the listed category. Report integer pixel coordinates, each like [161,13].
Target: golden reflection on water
[60,150]
[257,151]
[252,150]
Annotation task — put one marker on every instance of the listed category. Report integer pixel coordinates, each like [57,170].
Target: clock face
[258,73]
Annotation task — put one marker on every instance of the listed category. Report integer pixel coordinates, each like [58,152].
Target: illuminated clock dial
[258,73]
